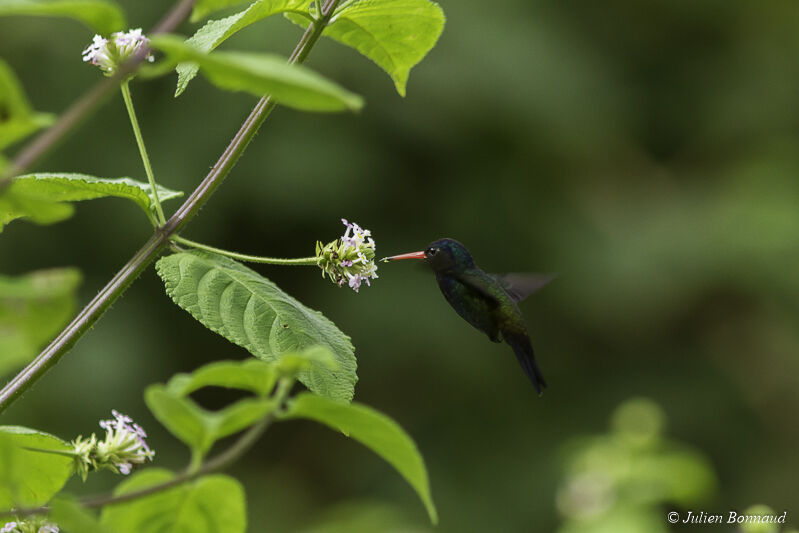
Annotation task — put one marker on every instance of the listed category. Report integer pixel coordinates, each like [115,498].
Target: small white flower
[110,54]
[10,527]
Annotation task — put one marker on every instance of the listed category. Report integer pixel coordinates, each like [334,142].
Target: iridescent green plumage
[487,302]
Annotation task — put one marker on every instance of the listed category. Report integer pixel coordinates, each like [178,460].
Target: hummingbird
[489,302]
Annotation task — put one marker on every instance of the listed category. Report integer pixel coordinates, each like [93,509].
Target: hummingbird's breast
[469,304]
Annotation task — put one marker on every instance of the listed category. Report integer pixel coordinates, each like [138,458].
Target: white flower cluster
[123,447]
[109,54]
[350,258]
[35,525]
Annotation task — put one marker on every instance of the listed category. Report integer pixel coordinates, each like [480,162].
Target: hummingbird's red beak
[413,255]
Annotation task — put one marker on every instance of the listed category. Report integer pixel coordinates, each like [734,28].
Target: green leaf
[33,308]
[27,477]
[40,197]
[17,118]
[395,34]
[203,8]
[251,375]
[16,204]
[71,517]
[251,311]
[215,32]
[375,431]
[100,15]
[240,415]
[211,504]
[290,85]
[181,416]
[197,427]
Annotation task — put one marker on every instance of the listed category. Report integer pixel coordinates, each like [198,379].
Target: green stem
[142,150]
[160,240]
[247,258]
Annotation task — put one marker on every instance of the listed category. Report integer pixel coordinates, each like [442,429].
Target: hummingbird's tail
[523,348]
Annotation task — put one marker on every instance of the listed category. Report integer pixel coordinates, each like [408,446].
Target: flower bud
[109,54]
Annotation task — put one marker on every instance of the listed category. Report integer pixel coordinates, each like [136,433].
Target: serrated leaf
[27,477]
[71,517]
[17,118]
[100,15]
[257,377]
[211,504]
[215,32]
[251,311]
[395,34]
[260,74]
[203,8]
[374,430]
[41,197]
[33,308]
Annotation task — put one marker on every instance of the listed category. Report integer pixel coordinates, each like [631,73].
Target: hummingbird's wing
[481,283]
[520,286]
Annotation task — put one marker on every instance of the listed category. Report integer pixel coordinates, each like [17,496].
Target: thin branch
[160,240]
[309,261]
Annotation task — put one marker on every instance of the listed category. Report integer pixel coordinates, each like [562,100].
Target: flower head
[123,447]
[350,258]
[109,54]
[33,525]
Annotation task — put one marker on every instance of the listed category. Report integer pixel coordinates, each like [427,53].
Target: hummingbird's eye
[432,251]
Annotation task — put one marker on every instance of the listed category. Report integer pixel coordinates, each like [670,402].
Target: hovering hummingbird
[486,301]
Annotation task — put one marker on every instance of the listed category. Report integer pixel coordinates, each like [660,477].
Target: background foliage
[647,154]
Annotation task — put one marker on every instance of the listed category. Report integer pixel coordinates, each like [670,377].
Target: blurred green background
[648,152]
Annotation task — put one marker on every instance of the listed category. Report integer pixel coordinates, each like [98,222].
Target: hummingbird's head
[441,255]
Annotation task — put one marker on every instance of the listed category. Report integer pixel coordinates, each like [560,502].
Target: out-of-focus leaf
[217,31]
[197,427]
[251,311]
[100,15]
[28,477]
[17,118]
[375,431]
[181,416]
[33,308]
[364,516]
[259,74]
[203,8]
[211,504]
[41,197]
[257,377]
[71,517]
[395,34]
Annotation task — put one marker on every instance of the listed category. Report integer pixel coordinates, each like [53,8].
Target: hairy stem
[148,169]
[247,258]
[160,240]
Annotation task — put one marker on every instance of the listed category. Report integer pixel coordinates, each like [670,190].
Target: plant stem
[247,258]
[88,102]
[160,240]
[219,462]
[142,150]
